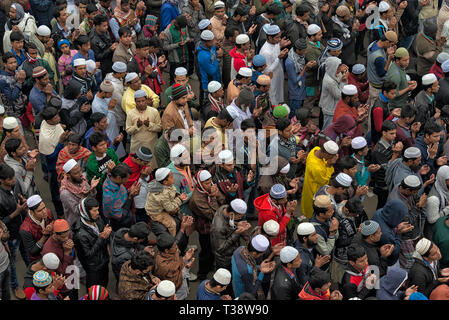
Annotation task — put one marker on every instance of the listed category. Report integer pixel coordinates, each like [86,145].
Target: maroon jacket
[31,233]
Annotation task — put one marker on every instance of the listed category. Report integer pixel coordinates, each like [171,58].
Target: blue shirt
[20,59]
[89,133]
[203,294]
[294,90]
[78,55]
[38,99]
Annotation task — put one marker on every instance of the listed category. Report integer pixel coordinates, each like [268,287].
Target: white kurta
[271,53]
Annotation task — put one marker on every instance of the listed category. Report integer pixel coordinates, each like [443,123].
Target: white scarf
[49,137]
[299,61]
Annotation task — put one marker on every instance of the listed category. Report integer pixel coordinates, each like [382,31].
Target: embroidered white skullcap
[344,179]
[242,39]
[161,174]
[10,123]
[383,6]
[245,72]
[305,228]
[51,261]
[204,175]
[260,243]
[34,200]
[213,86]
[429,78]
[44,31]
[222,276]
[358,143]
[180,71]
[166,288]
[349,90]
[331,147]
[177,150]
[288,254]
[271,228]
[79,62]
[239,206]
[313,29]
[131,76]
[226,156]
[207,35]
[69,165]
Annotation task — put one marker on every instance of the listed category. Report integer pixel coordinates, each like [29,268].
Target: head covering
[322,201]
[330,147]
[20,13]
[342,11]
[334,44]
[180,71]
[443,56]
[79,62]
[259,60]
[344,179]
[278,192]
[246,96]
[63,41]
[441,186]
[285,169]
[369,227]
[417,296]
[2,109]
[288,254]
[401,53]
[412,153]
[423,246]
[305,229]
[260,243]
[391,36]
[177,150]
[226,156]
[358,68]
[219,4]
[34,200]
[222,276]
[300,44]
[271,228]
[349,90]
[178,91]
[42,279]
[412,181]
[50,261]
[207,35]
[428,79]
[139,94]
[119,66]
[150,20]
[241,39]
[61,225]
[106,86]
[144,154]
[166,288]
[161,174]
[39,72]
[130,77]
[44,31]
[69,165]
[204,175]
[84,208]
[90,66]
[239,206]
[10,123]
[383,6]
[445,66]
[213,86]
[358,143]
[440,293]
[97,292]
[263,80]
[272,30]
[313,29]
[203,24]
[281,111]
[245,72]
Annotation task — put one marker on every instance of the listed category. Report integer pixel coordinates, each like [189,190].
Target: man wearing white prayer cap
[242,79]
[43,34]
[271,228]
[337,187]
[313,29]
[238,54]
[132,84]
[213,289]
[286,285]
[425,103]
[165,290]
[349,105]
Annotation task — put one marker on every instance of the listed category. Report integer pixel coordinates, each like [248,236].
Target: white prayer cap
[119,66]
[443,56]
[166,288]
[34,200]
[313,29]
[260,243]
[358,68]
[239,206]
[412,153]
[423,246]
[285,169]
[428,79]
[226,156]
[203,24]
[358,143]
[344,179]
[177,150]
[349,90]
[271,228]
[139,94]
[288,254]
[412,181]
[222,276]
[79,62]
[207,35]
[161,174]
[245,72]
[331,147]
[383,6]
[180,71]
[90,66]
[130,77]
[44,31]
[10,123]
[241,39]
[204,175]
[69,165]
[213,86]
[272,30]
[51,261]
[219,4]
[305,229]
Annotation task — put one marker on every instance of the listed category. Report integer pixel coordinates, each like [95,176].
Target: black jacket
[421,275]
[307,264]
[295,31]
[442,96]
[8,205]
[122,250]
[100,45]
[91,250]
[348,51]
[373,254]
[409,19]
[284,287]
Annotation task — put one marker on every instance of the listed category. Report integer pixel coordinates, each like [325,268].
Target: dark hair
[214,283]
[388,125]
[355,252]
[141,260]
[317,210]
[41,288]
[90,203]
[166,243]
[121,170]
[354,205]
[74,138]
[49,113]
[431,127]
[224,115]
[99,19]
[141,43]
[240,11]
[82,40]
[16,36]
[30,45]
[6,172]
[405,186]
[61,2]
[283,123]
[91,8]
[334,183]
[6,56]
[11,145]
[247,296]
[96,117]
[388,86]
[57,12]
[123,30]
[303,115]
[230,31]
[86,2]
[427,253]
[302,9]
[54,102]
[408,111]
[247,124]
[273,9]
[96,138]
[344,163]
[318,278]
[154,42]
[139,230]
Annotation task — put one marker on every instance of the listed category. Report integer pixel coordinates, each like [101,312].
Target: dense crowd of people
[265,126]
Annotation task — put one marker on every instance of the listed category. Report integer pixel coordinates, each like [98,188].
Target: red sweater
[31,233]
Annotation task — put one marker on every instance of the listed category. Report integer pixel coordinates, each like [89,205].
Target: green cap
[401,53]
[281,111]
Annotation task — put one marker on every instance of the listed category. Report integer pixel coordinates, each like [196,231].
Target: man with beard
[75,187]
[307,240]
[80,75]
[425,100]
[406,128]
